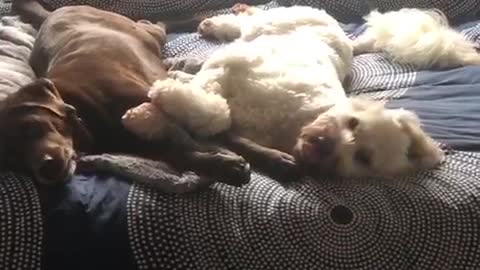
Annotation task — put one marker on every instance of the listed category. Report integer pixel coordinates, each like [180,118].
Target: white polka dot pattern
[430,221]
[21,229]
[344,10]
[454,9]
[153,9]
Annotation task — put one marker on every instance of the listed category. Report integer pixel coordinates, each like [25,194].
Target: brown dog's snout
[50,167]
[55,166]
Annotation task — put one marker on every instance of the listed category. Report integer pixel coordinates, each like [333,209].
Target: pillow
[16,42]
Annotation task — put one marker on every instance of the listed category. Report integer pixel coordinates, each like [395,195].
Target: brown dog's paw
[234,170]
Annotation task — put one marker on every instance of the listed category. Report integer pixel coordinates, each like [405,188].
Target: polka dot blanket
[343,10]
[427,221]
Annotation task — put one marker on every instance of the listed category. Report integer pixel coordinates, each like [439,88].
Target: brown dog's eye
[70,110]
[353,123]
[363,156]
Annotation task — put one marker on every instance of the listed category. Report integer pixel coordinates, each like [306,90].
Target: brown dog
[93,66]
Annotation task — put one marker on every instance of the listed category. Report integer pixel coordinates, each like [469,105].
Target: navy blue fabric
[448,103]
[86,225]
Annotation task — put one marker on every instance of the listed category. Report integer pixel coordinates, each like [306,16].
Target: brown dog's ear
[40,93]
[49,86]
[157,31]
[39,89]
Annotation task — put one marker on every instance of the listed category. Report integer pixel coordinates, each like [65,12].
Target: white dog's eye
[412,154]
[352,123]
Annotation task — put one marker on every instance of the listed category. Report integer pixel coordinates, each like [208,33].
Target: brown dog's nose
[51,168]
[323,146]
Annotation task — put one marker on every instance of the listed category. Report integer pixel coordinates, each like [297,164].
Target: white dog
[279,84]
[418,37]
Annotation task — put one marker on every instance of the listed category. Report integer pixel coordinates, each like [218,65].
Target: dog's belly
[272,111]
[262,120]
[272,101]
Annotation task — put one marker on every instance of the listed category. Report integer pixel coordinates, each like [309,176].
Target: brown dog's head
[362,138]
[36,133]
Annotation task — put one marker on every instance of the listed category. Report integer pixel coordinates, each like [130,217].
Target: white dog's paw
[190,65]
[180,76]
[243,9]
[222,27]
[204,113]
[432,158]
[365,43]
[146,121]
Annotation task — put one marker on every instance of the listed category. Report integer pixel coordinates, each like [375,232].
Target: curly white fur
[280,82]
[267,83]
[418,37]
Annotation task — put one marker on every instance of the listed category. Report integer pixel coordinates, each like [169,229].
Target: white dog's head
[361,138]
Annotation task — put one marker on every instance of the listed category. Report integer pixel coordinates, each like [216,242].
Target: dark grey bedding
[102,221]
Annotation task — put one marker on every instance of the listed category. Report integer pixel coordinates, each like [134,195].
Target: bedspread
[104,221]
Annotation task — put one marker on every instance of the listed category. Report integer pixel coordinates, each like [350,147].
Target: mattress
[426,221]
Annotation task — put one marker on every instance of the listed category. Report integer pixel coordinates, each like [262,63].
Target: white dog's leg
[227,27]
[147,121]
[245,9]
[223,27]
[204,113]
[465,53]
[364,43]
[180,76]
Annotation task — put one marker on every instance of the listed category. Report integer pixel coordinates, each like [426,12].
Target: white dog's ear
[362,104]
[405,119]
[422,152]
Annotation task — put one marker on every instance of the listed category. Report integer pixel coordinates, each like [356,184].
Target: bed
[104,221]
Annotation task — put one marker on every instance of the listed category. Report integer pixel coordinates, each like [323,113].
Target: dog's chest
[268,113]
[271,102]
